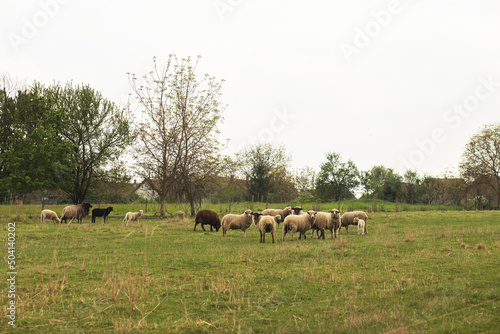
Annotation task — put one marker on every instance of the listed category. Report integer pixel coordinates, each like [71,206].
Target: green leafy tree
[411,181]
[336,179]
[97,131]
[31,149]
[265,166]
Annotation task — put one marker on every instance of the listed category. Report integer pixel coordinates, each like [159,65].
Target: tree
[305,182]
[381,183]
[31,148]
[411,182]
[178,152]
[336,179]
[481,158]
[266,169]
[97,130]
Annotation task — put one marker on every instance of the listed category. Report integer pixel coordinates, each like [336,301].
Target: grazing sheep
[266,224]
[179,214]
[132,216]
[207,217]
[361,225]
[298,210]
[326,221]
[348,219]
[78,211]
[301,223]
[282,212]
[101,213]
[49,214]
[237,222]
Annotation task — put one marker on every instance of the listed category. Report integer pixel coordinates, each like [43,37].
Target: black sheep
[101,213]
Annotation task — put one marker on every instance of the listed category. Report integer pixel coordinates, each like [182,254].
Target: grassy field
[416,272]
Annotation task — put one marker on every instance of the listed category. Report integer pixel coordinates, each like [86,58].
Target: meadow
[415,272]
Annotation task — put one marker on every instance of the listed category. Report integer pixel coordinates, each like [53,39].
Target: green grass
[414,272]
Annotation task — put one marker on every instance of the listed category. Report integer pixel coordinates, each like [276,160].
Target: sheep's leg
[260,236]
[272,235]
[203,228]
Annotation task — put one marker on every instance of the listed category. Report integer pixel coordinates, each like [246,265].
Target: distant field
[416,272]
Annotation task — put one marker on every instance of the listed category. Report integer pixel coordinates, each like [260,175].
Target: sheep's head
[248,213]
[312,215]
[110,209]
[355,220]
[277,218]
[296,210]
[141,212]
[287,211]
[217,224]
[256,217]
[335,213]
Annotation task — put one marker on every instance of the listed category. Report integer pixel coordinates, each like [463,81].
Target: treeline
[269,179]
[69,139]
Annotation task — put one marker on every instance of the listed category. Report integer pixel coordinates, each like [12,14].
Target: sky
[398,83]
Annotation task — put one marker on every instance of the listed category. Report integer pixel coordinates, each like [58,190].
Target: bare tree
[481,158]
[177,151]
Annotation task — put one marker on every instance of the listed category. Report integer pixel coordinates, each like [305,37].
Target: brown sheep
[207,217]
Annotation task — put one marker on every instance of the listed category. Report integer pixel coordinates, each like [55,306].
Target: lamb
[132,216]
[301,223]
[282,212]
[237,222]
[49,214]
[361,225]
[207,217]
[101,213]
[266,224]
[348,219]
[326,221]
[78,211]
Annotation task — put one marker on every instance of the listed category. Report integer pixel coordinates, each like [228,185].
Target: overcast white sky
[402,84]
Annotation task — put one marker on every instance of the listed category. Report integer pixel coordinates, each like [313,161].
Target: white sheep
[132,216]
[361,225]
[282,212]
[348,219]
[266,224]
[301,223]
[237,222]
[49,214]
[326,221]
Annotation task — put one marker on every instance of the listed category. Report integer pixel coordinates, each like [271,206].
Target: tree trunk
[191,202]
[162,205]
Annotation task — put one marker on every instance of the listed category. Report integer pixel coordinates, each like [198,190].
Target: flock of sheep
[294,220]
[81,211]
